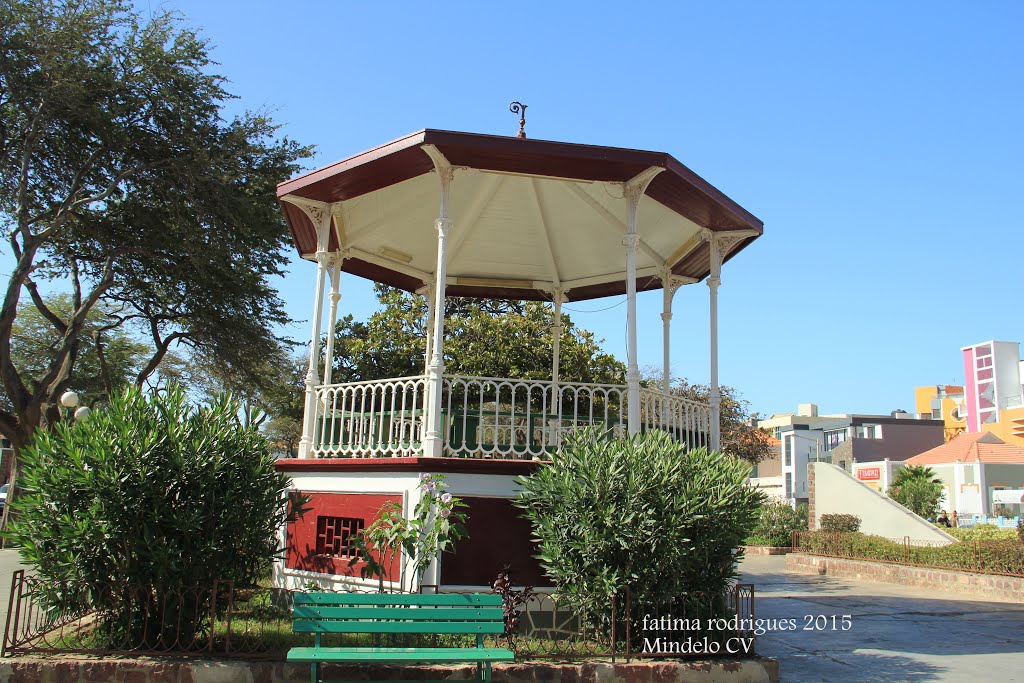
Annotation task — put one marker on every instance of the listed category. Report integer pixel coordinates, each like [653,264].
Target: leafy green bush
[837,523]
[1020,529]
[149,492]
[639,512]
[776,522]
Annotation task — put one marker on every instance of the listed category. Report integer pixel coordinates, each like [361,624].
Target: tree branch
[45,310]
[108,385]
[162,346]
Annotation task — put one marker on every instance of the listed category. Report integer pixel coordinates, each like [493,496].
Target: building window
[789,451]
[834,437]
[936,413]
[789,484]
[335,536]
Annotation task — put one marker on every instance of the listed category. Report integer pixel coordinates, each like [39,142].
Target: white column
[433,442]
[335,272]
[714,280]
[424,420]
[309,415]
[668,293]
[556,339]
[630,241]
[429,327]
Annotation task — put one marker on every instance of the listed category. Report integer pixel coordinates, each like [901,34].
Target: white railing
[488,417]
[689,422]
[492,417]
[378,418]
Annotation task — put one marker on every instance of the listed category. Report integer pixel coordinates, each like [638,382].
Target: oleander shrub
[776,522]
[840,523]
[153,497]
[1020,529]
[642,512]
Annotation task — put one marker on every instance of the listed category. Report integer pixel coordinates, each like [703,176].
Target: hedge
[994,556]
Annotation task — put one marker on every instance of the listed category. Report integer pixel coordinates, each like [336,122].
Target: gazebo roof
[528,216]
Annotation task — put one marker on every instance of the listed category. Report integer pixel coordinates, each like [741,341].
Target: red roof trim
[410,464]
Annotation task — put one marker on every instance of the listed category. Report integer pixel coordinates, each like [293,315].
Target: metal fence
[222,620]
[1004,557]
[107,619]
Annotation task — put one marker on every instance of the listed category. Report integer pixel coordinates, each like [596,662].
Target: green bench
[362,613]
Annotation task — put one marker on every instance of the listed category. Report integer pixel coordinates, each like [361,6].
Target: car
[3,495]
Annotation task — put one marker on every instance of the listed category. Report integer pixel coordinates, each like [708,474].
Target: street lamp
[69,400]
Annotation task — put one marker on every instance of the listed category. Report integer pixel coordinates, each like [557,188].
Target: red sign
[869,473]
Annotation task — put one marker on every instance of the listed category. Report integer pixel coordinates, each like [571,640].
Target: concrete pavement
[896,634]
[9,562]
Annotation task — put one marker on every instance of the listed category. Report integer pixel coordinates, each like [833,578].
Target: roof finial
[519,108]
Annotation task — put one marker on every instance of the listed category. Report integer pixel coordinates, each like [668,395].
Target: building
[942,402]
[845,440]
[993,394]
[981,474]
[767,474]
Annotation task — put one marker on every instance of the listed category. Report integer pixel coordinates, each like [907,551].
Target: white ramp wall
[835,491]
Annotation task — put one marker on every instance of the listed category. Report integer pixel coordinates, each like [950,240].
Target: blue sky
[880,145]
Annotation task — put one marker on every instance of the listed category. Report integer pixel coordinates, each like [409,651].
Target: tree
[917,488]
[285,431]
[122,176]
[740,435]
[109,359]
[482,338]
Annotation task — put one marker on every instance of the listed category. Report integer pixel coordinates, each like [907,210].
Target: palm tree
[917,488]
[915,472]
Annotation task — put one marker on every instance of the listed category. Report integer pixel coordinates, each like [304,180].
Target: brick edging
[767,550]
[18,670]
[1007,588]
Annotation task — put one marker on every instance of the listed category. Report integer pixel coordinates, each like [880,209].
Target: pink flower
[446,498]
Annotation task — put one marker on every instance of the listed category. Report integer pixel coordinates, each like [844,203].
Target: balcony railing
[488,417]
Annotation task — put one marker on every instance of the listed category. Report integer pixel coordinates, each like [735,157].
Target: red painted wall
[302,533]
[497,536]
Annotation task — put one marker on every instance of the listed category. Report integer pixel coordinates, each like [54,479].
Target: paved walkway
[898,633]
[9,561]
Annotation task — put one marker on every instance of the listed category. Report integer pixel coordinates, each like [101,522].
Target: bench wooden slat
[406,613]
[400,654]
[321,626]
[401,599]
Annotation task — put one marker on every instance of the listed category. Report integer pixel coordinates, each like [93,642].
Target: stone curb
[1007,588]
[25,670]
[767,550]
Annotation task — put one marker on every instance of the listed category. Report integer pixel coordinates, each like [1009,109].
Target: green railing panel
[326,626]
[400,613]
[399,599]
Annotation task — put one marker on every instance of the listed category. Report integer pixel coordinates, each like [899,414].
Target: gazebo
[445,214]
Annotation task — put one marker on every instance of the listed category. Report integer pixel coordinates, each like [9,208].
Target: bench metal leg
[479,671]
[314,670]
[487,670]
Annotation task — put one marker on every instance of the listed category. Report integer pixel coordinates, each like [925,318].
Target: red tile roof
[980,447]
